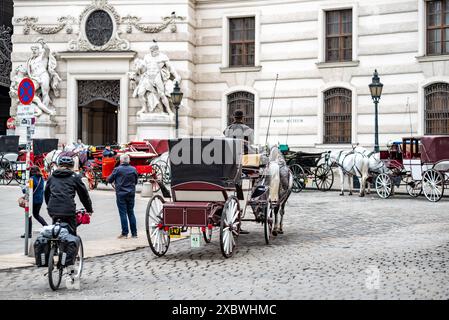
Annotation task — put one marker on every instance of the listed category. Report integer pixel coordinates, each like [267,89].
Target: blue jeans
[125,204]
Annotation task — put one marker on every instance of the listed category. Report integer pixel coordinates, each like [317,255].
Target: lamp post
[376,91]
[176,98]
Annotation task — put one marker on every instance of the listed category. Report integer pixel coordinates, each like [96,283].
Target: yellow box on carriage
[251,160]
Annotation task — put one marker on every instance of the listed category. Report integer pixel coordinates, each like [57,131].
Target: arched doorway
[98,105]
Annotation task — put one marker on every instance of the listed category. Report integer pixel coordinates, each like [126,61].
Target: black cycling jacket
[60,191]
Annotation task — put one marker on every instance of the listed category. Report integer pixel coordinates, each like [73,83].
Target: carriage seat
[11,157]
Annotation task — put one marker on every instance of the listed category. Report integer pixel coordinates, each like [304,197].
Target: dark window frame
[245,43]
[443,27]
[436,108]
[340,36]
[337,116]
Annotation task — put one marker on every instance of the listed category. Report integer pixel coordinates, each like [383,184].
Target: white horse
[375,165]
[281,182]
[351,164]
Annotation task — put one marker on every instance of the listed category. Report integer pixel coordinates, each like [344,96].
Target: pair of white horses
[358,162]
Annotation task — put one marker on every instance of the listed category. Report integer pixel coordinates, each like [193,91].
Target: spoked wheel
[156,177]
[324,177]
[77,268]
[299,178]
[158,237]
[230,225]
[433,185]
[268,223]
[54,269]
[384,185]
[6,172]
[207,235]
[165,171]
[414,187]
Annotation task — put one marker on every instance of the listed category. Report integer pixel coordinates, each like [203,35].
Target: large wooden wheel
[433,185]
[156,177]
[268,222]
[230,225]
[324,177]
[414,187]
[6,171]
[299,178]
[384,185]
[158,237]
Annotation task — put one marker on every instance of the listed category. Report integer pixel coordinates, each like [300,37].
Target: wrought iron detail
[5,56]
[437,108]
[133,21]
[99,28]
[30,23]
[91,90]
[243,101]
[337,115]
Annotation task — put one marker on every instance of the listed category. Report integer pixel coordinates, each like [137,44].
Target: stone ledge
[345,64]
[435,58]
[240,69]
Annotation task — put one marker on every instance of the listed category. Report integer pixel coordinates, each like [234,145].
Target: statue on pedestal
[152,81]
[40,68]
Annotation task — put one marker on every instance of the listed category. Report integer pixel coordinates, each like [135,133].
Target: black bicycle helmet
[65,162]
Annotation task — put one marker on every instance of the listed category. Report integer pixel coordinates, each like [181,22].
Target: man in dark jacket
[60,191]
[125,179]
[239,130]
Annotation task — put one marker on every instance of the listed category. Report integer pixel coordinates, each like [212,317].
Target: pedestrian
[125,179]
[38,198]
[239,130]
[107,152]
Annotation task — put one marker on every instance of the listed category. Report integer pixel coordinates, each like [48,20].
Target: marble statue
[40,68]
[152,81]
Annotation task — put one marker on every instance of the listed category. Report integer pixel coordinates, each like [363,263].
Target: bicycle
[56,261]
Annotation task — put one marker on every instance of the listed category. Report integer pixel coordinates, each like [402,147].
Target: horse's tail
[275,180]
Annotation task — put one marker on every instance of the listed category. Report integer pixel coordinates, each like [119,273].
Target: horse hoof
[350,193]
[361,195]
[342,194]
[281,232]
[275,233]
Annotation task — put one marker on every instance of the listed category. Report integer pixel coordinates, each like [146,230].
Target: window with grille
[241,42]
[243,101]
[437,108]
[337,115]
[437,27]
[339,35]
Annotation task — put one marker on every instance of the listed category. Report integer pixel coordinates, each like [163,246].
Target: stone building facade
[229,53]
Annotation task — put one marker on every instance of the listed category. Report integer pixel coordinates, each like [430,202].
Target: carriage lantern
[176,97]
[376,91]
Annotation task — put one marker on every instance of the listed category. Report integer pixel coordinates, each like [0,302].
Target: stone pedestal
[155,126]
[44,127]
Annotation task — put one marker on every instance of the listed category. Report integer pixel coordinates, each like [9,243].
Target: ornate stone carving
[5,55]
[152,81]
[91,90]
[83,43]
[133,21]
[31,23]
[41,68]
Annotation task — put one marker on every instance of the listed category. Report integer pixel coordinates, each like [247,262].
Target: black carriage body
[42,146]
[9,144]
[305,159]
[217,161]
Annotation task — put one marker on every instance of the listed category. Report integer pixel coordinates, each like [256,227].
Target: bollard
[147,190]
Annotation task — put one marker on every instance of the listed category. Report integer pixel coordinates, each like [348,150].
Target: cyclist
[60,191]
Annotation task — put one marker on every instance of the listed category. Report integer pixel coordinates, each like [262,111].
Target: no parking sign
[26,91]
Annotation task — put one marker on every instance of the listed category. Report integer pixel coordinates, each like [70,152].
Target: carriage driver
[239,130]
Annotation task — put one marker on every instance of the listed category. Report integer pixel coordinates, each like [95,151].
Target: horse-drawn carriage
[10,166]
[205,178]
[419,163]
[41,147]
[308,166]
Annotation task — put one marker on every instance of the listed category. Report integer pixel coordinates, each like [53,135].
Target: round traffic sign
[26,91]
[11,123]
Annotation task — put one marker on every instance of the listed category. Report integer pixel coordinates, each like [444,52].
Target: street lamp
[376,91]
[176,98]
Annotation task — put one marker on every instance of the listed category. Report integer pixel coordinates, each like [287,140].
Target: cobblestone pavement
[333,248]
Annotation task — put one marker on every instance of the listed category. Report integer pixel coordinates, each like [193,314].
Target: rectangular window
[437,27]
[241,42]
[339,35]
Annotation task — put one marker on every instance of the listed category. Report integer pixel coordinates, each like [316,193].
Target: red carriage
[420,163]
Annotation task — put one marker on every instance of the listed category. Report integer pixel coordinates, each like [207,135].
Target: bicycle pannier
[68,249]
[41,251]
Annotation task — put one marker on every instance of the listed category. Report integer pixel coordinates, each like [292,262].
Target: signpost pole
[29,185]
